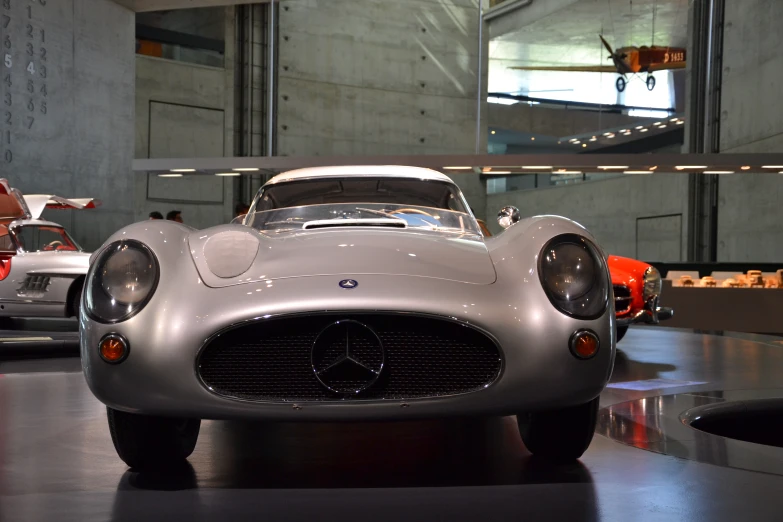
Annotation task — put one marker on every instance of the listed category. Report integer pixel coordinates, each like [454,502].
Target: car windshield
[365,201]
[41,238]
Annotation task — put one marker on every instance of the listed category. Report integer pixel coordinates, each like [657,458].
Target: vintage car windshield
[42,238]
[411,203]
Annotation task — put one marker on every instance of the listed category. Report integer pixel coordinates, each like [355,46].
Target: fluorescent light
[563,171]
[680,122]
[683,167]
[501,101]
[746,167]
[719,172]
[170,175]
[228,174]
[674,119]
[497,172]
[644,130]
[663,126]
[537,167]
[637,172]
[610,137]
[648,113]
[772,167]
[639,127]
[653,168]
[246,169]
[613,167]
[577,142]
[593,138]
[183,170]
[457,168]
[657,123]
[607,133]
[623,130]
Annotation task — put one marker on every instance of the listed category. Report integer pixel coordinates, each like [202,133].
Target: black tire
[76,300]
[559,435]
[621,331]
[620,84]
[144,442]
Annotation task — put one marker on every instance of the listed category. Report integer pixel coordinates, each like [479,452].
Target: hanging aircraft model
[627,60]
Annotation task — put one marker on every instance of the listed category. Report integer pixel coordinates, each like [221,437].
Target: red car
[637,291]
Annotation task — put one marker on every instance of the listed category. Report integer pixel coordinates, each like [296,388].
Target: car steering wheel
[411,211]
[53,245]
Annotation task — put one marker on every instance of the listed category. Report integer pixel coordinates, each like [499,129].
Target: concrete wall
[633,216]
[184,111]
[73,134]
[377,77]
[749,206]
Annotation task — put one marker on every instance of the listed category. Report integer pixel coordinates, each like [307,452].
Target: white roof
[372,171]
[36,203]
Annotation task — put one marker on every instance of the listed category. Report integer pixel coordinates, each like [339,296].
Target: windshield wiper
[381,213]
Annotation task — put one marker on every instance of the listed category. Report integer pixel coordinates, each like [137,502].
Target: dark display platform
[57,461]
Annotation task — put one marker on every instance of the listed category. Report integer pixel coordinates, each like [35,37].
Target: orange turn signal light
[113,348]
[584,344]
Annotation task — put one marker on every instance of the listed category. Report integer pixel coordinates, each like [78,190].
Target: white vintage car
[42,268]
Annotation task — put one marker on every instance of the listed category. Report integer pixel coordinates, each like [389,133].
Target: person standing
[175,215]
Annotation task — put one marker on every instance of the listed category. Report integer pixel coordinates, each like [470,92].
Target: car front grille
[622,299]
[275,360]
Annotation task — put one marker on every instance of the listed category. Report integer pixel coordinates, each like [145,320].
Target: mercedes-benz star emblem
[347,357]
[349,283]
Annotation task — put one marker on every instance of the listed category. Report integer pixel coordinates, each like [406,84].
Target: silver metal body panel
[59,269]
[159,376]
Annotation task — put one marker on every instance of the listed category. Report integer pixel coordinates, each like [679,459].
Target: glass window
[36,238]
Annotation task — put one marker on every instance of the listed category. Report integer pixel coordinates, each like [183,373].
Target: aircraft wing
[666,66]
[569,68]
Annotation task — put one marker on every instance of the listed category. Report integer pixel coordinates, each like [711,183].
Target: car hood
[345,252]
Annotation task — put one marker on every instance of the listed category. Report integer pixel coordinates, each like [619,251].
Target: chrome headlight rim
[601,276]
[100,259]
[651,275]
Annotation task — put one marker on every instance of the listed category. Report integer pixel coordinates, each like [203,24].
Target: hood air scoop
[333,223]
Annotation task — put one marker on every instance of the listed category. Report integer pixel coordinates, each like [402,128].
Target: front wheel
[144,442]
[560,435]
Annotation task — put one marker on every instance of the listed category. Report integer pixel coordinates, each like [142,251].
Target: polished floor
[57,461]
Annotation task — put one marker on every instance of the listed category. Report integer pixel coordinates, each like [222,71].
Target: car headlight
[652,283]
[121,281]
[574,276]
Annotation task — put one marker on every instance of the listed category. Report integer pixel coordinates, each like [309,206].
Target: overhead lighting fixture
[577,142]
[228,174]
[675,119]
[637,172]
[657,123]
[584,144]
[183,170]
[623,130]
[492,132]
[246,169]
[778,167]
[719,172]
[532,138]
[563,171]
[663,126]
[680,122]
[501,101]
[497,172]
[639,127]
[610,137]
[648,113]
[685,167]
[170,175]
[654,167]
[745,167]
[593,138]
[607,133]
[644,130]
[613,167]
[457,168]
[537,167]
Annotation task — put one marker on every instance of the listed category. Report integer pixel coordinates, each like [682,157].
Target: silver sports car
[43,271]
[348,293]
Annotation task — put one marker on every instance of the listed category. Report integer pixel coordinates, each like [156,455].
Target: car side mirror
[508,215]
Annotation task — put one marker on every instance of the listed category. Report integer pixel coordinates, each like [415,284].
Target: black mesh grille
[424,357]
[622,299]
